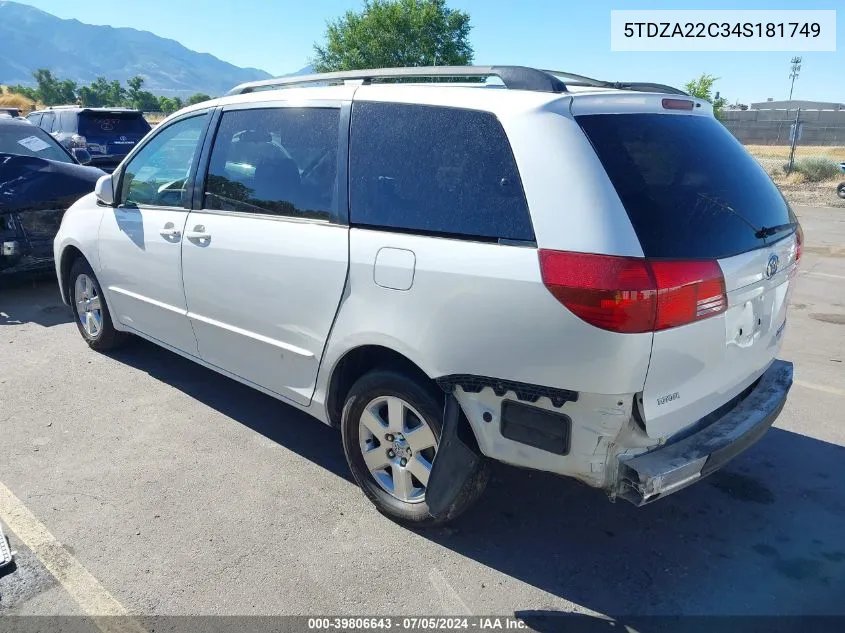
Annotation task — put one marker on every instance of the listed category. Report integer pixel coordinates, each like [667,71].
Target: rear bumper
[647,477]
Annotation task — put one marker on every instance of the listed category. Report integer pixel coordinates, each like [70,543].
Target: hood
[29,183]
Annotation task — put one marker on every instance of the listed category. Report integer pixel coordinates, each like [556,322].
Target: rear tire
[90,310]
[367,427]
[840,190]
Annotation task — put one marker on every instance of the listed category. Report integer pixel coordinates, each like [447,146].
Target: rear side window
[112,123]
[35,118]
[277,161]
[47,121]
[689,187]
[68,120]
[435,170]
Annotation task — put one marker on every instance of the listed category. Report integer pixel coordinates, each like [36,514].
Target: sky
[278,36]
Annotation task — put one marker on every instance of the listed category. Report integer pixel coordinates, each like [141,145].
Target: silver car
[559,273]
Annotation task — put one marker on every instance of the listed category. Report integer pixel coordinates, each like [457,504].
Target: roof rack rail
[514,77]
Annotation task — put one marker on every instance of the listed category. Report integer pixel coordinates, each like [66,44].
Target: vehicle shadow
[271,418]
[764,536]
[32,300]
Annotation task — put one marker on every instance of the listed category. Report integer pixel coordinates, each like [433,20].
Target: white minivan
[559,273]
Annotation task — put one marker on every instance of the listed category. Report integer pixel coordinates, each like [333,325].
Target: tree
[168,105]
[197,98]
[393,33]
[702,88]
[50,91]
[26,91]
[140,99]
[103,93]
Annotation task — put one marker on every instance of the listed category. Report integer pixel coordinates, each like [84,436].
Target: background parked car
[39,180]
[108,134]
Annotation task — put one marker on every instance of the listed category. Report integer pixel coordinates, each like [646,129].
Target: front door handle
[199,233]
[170,231]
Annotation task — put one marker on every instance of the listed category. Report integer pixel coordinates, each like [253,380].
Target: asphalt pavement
[178,491]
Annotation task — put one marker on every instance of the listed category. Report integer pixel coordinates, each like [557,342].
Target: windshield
[689,187]
[112,123]
[29,140]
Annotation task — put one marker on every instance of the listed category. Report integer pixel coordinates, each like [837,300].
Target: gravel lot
[183,492]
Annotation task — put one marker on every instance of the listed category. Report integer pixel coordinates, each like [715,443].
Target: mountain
[32,39]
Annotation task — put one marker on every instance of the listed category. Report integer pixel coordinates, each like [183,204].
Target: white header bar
[786,31]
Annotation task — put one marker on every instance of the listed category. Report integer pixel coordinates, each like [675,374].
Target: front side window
[158,174]
[435,170]
[277,161]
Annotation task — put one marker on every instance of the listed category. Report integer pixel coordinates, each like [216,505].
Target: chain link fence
[802,150]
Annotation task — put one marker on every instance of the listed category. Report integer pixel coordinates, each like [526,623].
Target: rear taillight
[799,243]
[631,294]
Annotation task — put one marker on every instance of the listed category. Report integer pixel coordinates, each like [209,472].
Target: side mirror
[81,155]
[104,190]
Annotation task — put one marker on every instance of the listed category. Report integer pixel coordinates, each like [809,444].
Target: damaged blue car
[39,180]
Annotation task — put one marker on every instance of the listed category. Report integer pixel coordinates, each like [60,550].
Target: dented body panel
[34,194]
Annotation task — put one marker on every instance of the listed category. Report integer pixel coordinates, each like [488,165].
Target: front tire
[89,307]
[841,190]
[391,428]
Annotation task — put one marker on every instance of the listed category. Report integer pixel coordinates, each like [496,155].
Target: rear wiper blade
[768,231]
[759,232]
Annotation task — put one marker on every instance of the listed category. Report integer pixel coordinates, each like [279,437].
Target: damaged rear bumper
[649,476]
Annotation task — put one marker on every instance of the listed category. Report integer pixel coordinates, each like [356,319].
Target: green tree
[103,93]
[140,99]
[51,91]
[26,91]
[702,88]
[168,105]
[199,97]
[393,33]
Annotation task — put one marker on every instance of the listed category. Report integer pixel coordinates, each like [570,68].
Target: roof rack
[513,77]
[82,107]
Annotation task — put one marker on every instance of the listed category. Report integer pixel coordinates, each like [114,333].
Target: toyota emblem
[122,138]
[772,266]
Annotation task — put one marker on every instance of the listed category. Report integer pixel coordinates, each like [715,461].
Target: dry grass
[795,178]
[17,101]
[834,152]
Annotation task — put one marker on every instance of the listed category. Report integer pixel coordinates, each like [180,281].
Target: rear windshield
[112,123]
[689,187]
[30,140]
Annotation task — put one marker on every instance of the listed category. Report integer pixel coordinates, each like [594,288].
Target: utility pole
[796,69]
[796,129]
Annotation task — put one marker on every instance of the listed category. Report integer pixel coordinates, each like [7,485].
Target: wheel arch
[69,255]
[362,359]
[358,361]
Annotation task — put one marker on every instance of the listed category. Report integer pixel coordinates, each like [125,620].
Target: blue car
[108,134]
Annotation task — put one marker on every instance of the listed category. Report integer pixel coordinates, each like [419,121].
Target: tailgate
[698,202]
[696,368]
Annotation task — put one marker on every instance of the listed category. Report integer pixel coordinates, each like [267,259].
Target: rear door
[696,198]
[264,260]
